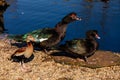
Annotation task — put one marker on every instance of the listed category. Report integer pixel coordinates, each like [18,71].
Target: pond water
[27,15]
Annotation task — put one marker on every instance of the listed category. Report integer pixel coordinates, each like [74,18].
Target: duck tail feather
[18,38]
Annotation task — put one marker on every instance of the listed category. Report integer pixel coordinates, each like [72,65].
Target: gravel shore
[43,67]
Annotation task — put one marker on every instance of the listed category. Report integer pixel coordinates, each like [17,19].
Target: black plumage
[82,47]
[49,37]
[59,31]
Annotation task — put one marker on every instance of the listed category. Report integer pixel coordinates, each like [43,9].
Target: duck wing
[41,34]
[75,46]
[18,38]
[20,51]
[17,56]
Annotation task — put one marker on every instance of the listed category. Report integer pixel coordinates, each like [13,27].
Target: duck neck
[29,44]
[60,28]
[90,37]
[29,50]
[92,41]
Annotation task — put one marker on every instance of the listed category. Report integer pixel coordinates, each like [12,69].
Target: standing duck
[24,53]
[82,47]
[58,32]
[48,37]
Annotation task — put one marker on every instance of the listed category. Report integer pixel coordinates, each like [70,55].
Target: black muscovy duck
[48,37]
[82,47]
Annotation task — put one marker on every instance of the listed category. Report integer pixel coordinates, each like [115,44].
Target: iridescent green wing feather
[37,34]
[76,46]
[40,34]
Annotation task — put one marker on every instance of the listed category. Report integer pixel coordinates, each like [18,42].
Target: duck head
[30,38]
[70,18]
[91,34]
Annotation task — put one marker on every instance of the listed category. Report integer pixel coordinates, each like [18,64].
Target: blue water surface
[27,15]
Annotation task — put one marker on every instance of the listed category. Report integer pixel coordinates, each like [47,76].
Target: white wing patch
[42,39]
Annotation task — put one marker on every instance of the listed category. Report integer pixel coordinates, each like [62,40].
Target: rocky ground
[59,67]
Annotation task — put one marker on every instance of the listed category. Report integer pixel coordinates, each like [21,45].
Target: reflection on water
[27,15]
[1,22]
[104,16]
[106,1]
[3,7]
[13,6]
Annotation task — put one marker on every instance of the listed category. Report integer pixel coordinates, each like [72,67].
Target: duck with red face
[49,37]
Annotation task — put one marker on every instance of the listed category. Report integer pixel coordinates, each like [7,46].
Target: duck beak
[77,18]
[97,36]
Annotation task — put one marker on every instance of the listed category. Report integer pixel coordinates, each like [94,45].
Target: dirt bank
[45,67]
